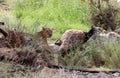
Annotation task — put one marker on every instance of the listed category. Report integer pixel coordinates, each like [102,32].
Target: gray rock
[54,47]
[90,75]
[116,77]
[102,75]
[84,73]
[116,74]
[81,76]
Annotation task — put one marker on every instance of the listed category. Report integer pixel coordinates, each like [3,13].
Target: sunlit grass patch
[61,15]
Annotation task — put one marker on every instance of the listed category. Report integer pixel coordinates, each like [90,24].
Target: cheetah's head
[47,32]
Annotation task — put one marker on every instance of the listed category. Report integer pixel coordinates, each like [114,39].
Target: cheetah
[44,34]
[18,38]
[39,39]
[72,38]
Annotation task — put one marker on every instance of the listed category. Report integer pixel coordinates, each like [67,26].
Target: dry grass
[105,14]
[51,73]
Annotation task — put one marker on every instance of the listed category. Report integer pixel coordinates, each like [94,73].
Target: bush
[104,13]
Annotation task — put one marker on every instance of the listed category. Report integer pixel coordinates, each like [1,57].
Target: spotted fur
[39,38]
[71,38]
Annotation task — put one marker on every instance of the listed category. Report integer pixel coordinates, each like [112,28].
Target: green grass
[62,15]
[59,14]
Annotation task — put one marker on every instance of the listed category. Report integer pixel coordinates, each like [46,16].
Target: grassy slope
[59,14]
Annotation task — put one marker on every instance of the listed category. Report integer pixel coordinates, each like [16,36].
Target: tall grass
[104,54]
[59,14]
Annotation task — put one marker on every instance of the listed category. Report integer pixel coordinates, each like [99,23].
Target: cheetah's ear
[43,28]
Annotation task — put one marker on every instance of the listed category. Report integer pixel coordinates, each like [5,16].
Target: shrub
[104,13]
